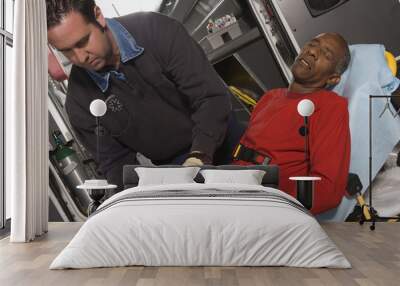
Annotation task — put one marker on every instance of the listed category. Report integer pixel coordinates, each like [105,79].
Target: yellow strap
[237,151]
[242,96]
[365,208]
[391,61]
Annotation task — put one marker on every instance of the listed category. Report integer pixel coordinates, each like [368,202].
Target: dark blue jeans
[223,155]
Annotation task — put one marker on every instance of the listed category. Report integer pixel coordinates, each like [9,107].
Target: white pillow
[164,176]
[247,177]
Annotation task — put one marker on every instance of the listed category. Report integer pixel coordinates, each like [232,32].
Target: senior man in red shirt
[274,132]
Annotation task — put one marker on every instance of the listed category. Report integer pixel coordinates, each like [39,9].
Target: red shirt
[274,130]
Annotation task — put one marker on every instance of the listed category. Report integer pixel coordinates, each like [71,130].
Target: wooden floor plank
[374,255]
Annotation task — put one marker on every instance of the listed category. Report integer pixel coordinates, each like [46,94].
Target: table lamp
[305,184]
[96,188]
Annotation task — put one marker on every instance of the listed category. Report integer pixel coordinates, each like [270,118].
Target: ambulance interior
[258,58]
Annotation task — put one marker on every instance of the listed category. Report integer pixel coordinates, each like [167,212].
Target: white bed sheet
[200,232]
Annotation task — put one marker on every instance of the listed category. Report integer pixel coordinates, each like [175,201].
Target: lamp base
[96,190]
[305,190]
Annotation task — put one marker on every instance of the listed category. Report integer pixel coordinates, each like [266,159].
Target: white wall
[127,6]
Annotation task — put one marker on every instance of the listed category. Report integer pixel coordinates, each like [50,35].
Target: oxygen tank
[72,170]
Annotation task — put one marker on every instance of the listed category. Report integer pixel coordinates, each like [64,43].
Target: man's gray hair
[344,62]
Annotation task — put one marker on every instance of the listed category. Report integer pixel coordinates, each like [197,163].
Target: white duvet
[204,231]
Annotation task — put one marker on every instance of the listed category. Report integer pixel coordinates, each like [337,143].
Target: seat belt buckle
[245,154]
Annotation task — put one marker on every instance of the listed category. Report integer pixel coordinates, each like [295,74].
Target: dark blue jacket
[172,101]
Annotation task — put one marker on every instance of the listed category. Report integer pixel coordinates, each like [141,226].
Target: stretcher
[371,71]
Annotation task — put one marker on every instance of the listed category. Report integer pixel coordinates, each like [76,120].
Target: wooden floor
[375,257]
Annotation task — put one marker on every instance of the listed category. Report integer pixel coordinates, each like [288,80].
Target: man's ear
[333,80]
[99,16]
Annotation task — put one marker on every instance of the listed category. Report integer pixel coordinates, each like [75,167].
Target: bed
[201,224]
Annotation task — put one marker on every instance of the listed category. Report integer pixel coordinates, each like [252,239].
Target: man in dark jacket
[164,98]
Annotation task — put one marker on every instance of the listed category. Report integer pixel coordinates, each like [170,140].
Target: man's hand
[193,162]
[197,159]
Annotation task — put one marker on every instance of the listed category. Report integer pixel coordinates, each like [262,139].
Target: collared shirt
[128,48]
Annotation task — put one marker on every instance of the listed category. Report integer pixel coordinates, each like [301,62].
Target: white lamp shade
[305,107]
[98,108]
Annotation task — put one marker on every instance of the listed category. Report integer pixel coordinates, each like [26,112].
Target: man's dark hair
[58,9]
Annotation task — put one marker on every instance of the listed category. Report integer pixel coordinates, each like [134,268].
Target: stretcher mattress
[368,74]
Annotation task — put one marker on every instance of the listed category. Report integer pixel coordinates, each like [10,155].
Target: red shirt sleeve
[330,155]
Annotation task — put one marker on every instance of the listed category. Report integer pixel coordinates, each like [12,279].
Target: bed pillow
[246,177]
[166,176]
